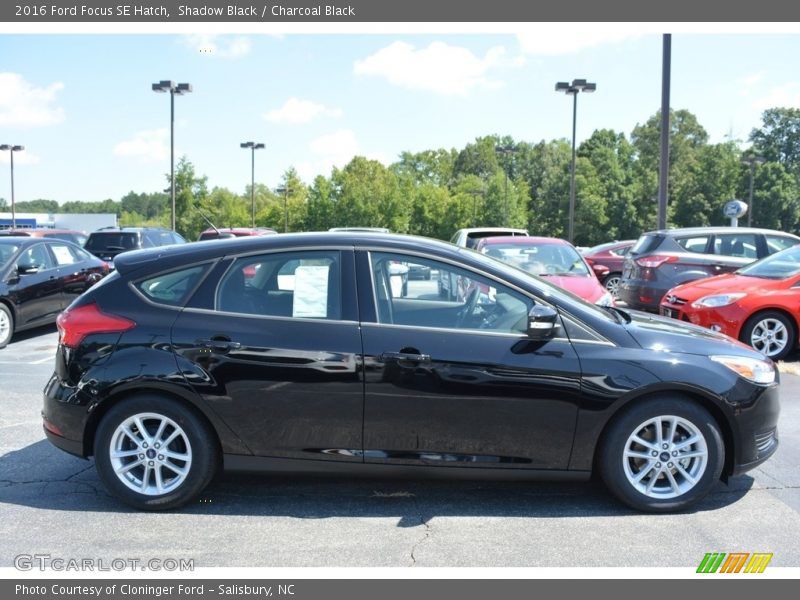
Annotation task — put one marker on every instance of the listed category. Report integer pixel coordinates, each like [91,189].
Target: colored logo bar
[735,562]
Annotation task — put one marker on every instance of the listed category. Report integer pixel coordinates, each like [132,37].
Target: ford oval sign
[734,209]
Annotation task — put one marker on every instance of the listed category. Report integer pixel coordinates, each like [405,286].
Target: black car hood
[663,334]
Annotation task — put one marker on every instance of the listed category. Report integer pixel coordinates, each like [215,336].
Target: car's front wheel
[662,455]
[6,325]
[770,332]
[154,453]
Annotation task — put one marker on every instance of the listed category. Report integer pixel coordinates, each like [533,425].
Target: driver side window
[420,292]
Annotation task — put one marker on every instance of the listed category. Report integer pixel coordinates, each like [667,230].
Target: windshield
[7,250]
[539,259]
[781,265]
[548,291]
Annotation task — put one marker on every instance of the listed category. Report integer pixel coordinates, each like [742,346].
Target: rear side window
[696,243]
[68,255]
[171,288]
[742,245]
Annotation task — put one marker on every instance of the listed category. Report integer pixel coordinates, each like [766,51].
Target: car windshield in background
[539,259]
[778,266]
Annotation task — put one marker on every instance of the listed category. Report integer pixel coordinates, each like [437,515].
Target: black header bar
[361,11]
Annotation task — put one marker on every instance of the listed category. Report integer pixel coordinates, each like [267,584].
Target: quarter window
[694,244]
[292,284]
[420,292]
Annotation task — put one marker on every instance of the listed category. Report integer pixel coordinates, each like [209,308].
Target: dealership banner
[357,11]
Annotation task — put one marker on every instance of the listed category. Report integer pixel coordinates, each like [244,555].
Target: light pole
[573,89]
[253,147]
[752,160]
[475,194]
[174,90]
[284,189]
[12,148]
[505,151]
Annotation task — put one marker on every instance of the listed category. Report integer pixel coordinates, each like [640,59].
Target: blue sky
[93,129]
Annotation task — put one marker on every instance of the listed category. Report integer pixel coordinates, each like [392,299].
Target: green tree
[778,138]
[366,194]
[37,206]
[190,189]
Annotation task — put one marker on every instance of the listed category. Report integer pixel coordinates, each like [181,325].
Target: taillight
[655,261]
[76,323]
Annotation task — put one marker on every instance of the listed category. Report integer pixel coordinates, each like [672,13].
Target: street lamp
[253,147]
[12,148]
[284,189]
[174,90]
[573,89]
[752,160]
[505,150]
[475,194]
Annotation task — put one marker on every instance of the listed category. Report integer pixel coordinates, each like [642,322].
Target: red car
[759,304]
[553,258]
[612,256]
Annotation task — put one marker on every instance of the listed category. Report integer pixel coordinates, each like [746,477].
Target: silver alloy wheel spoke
[674,461]
[769,336]
[142,467]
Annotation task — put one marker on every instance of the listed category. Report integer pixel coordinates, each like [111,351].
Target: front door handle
[218,344]
[406,356]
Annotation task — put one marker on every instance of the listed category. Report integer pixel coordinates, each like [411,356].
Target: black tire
[763,320]
[618,472]
[6,325]
[195,434]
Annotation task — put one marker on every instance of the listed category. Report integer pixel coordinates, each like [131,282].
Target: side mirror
[600,270]
[27,268]
[542,323]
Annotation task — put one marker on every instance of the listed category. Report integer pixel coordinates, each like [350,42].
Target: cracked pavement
[53,503]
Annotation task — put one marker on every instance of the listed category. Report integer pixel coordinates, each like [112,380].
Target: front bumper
[756,437]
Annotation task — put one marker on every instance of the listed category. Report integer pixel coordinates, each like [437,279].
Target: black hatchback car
[661,260]
[38,278]
[107,243]
[297,351]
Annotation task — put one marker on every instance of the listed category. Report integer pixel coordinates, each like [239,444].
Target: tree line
[436,192]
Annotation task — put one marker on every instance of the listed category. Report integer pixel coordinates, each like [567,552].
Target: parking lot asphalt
[53,503]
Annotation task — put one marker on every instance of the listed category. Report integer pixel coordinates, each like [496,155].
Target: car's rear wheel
[6,325]
[662,455]
[154,453]
[770,332]
[611,283]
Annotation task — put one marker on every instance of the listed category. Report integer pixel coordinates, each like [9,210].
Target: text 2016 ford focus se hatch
[300,351]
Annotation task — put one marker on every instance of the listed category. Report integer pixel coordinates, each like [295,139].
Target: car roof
[481,229]
[521,239]
[179,254]
[715,229]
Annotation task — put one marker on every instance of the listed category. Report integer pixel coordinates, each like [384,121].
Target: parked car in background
[759,304]
[109,242]
[70,235]
[610,255]
[38,278]
[202,369]
[213,233]
[365,229]
[660,260]
[469,238]
[554,258]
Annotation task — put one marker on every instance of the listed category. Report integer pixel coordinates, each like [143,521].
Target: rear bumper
[639,295]
[73,447]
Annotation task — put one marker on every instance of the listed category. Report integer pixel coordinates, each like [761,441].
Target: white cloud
[332,150]
[20,158]
[24,105]
[441,68]
[147,146]
[218,46]
[569,38]
[296,111]
[786,95]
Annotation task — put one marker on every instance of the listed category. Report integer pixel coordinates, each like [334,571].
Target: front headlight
[605,300]
[752,369]
[717,300]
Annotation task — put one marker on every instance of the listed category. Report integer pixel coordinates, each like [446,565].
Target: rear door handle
[218,345]
[407,356]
